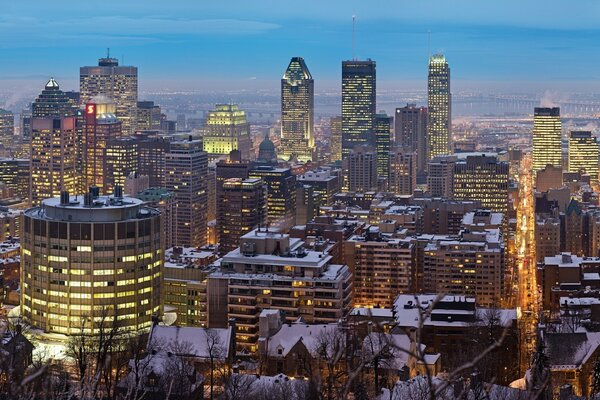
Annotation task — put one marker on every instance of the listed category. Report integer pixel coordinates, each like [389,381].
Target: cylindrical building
[91,260]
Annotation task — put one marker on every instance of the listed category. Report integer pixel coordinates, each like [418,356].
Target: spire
[52,84]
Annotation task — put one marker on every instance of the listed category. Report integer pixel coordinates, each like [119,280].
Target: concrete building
[148,116]
[15,174]
[91,259]
[164,201]
[227,129]
[383,145]
[549,177]
[439,106]
[281,195]
[402,172]
[335,142]
[362,169]
[326,183]
[547,238]
[270,270]
[440,176]
[411,133]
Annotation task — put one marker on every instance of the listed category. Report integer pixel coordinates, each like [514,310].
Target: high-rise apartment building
[410,128]
[439,107]
[440,173]
[358,104]
[583,153]
[186,170]
[164,201]
[335,141]
[297,112]
[121,160]
[148,116]
[15,173]
[403,172]
[326,182]
[119,83]
[227,129]
[482,178]
[547,134]
[53,102]
[101,126]
[53,157]
[383,138]
[94,259]
[151,157]
[362,169]
[281,195]
[241,207]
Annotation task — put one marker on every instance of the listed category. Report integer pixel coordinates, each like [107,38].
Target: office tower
[403,172]
[583,153]
[15,174]
[382,268]
[281,195]
[26,123]
[411,133]
[547,238]
[477,267]
[53,157]
[241,207]
[549,177]
[307,204]
[547,133]
[335,140]
[121,160]
[186,170]
[232,167]
[148,116]
[440,172]
[362,169]
[271,270]
[482,178]
[383,133]
[164,201]
[53,102]
[326,183]
[7,128]
[101,126]
[181,123]
[69,282]
[151,157]
[439,107]
[358,104]
[297,112]
[227,130]
[119,83]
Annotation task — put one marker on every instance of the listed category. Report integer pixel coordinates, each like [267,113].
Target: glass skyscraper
[383,128]
[439,103]
[358,104]
[583,153]
[297,111]
[547,131]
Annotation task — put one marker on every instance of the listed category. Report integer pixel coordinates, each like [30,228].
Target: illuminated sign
[91,109]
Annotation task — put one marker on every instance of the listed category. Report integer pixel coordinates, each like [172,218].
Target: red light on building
[90,109]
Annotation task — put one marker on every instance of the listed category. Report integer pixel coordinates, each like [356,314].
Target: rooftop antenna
[353,39]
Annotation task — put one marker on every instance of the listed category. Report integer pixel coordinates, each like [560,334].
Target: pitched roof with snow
[312,336]
[195,341]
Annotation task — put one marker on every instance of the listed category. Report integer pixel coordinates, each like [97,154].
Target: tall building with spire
[53,102]
[120,83]
[297,112]
[227,129]
[358,104]
[439,103]
[547,133]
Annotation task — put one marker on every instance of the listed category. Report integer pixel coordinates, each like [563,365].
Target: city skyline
[487,43]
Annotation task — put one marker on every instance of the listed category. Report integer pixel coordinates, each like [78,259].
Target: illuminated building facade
[358,104]
[403,172]
[482,178]
[163,201]
[187,169]
[281,195]
[148,116]
[362,169]
[547,133]
[119,83]
[411,133]
[583,153]
[297,112]
[227,130]
[53,102]
[439,106]
[241,207]
[7,128]
[15,174]
[53,157]
[335,140]
[88,258]
[121,156]
[383,136]
[151,157]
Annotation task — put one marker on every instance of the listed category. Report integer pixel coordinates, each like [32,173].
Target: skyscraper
[148,116]
[53,157]
[70,283]
[403,172]
[335,142]
[547,132]
[227,130]
[121,160]
[281,194]
[119,83]
[186,170]
[583,153]
[297,111]
[7,128]
[241,207]
[362,169]
[358,104]
[439,103]
[101,126]
[53,102]
[383,134]
[411,133]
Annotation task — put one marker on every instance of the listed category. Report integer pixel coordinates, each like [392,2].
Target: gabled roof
[193,340]
[311,336]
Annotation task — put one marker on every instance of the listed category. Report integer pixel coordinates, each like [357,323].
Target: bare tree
[216,353]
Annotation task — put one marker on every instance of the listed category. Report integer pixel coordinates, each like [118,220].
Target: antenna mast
[353,39]
[108,52]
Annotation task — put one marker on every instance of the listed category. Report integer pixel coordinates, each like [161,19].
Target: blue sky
[248,43]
